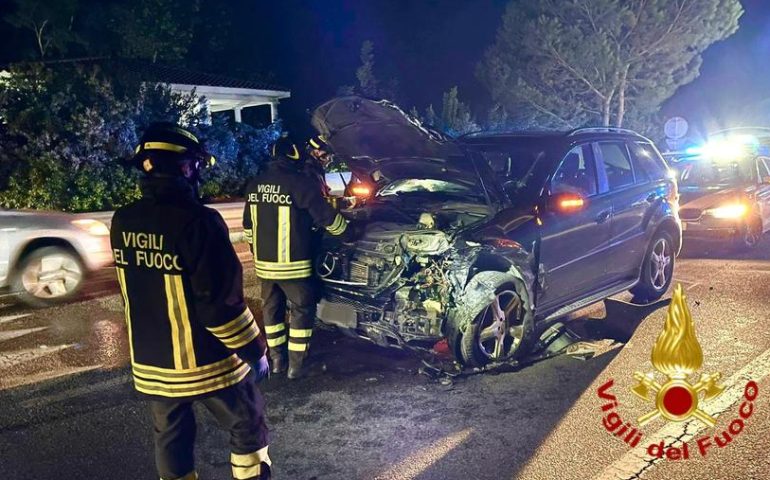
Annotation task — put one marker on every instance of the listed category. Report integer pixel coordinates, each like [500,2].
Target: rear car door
[634,195]
[573,244]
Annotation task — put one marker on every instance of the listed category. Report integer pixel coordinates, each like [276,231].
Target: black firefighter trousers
[302,295]
[239,409]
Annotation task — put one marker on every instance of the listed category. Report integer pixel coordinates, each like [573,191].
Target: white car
[46,256]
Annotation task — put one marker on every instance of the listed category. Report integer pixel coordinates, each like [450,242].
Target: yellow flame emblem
[677,355]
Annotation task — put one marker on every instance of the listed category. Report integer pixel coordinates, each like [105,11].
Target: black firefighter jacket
[190,331]
[282,206]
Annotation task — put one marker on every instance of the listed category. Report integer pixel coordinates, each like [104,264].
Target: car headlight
[736,210]
[425,243]
[94,227]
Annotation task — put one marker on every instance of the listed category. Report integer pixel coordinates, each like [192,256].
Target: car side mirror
[567,203]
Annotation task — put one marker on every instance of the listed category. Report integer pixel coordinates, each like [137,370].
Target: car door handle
[603,216]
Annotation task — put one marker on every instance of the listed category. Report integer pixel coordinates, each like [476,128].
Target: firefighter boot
[278,360]
[296,367]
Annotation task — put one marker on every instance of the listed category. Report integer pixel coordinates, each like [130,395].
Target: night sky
[430,45]
[734,75]
[312,47]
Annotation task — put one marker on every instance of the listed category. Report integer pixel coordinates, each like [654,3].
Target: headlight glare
[93,227]
[737,210]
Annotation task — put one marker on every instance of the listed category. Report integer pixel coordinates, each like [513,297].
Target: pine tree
[577,62]
[367,81]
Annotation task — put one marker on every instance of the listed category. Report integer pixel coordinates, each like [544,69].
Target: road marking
[11,359]
[11,334]
[415,464]
[635,463]
[11,318]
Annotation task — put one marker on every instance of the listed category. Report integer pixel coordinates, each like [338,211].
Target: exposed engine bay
[401,272]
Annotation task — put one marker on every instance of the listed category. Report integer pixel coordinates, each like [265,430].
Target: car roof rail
[601,130]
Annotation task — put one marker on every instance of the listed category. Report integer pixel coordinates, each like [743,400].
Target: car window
[577,173]
[521,166]
[616,164]
[647,165]
[702,173]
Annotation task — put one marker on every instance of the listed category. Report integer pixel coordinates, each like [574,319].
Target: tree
[497,118]
[367,81]
[456,117]
[577,62]
[156,29]
[430,116]
[50,21]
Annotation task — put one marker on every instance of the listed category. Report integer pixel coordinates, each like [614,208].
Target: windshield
[712,175]
[520,166]
[427,185]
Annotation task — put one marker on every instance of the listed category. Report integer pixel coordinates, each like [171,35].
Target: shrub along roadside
[66,130]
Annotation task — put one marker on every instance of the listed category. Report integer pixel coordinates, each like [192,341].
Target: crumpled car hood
[379,142]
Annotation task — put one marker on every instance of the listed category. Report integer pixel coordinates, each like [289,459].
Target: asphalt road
[68,411]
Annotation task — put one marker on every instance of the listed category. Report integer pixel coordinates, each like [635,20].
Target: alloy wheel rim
[751,236]
[501,329]
[51,276]
[660,260]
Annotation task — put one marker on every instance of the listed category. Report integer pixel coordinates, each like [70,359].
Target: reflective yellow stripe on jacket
[283,270]
[181,331]
[251,235]
[338,226]
[238,332]
[284,234]
[127,310]
[169,382]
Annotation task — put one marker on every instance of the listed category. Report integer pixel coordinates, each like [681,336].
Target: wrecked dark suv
[480,238]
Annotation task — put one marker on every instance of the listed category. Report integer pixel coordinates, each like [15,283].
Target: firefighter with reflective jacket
[191,335]
[283,204]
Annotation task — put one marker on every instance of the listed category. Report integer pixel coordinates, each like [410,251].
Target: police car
[725,189]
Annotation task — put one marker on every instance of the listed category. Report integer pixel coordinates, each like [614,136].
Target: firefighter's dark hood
[376,138]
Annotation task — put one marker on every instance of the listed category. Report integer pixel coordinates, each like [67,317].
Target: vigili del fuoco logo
[674,390]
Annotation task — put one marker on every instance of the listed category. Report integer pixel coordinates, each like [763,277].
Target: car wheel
[498,332]
[657,269]
[48,275]
[750,235]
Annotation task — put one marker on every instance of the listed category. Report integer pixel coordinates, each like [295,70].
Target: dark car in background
[478,239]
[725,190]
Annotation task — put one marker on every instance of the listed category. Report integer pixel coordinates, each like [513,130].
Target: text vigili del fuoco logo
[675,393]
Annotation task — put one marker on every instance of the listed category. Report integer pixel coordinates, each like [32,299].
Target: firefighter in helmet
[192,338]
[283,205]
